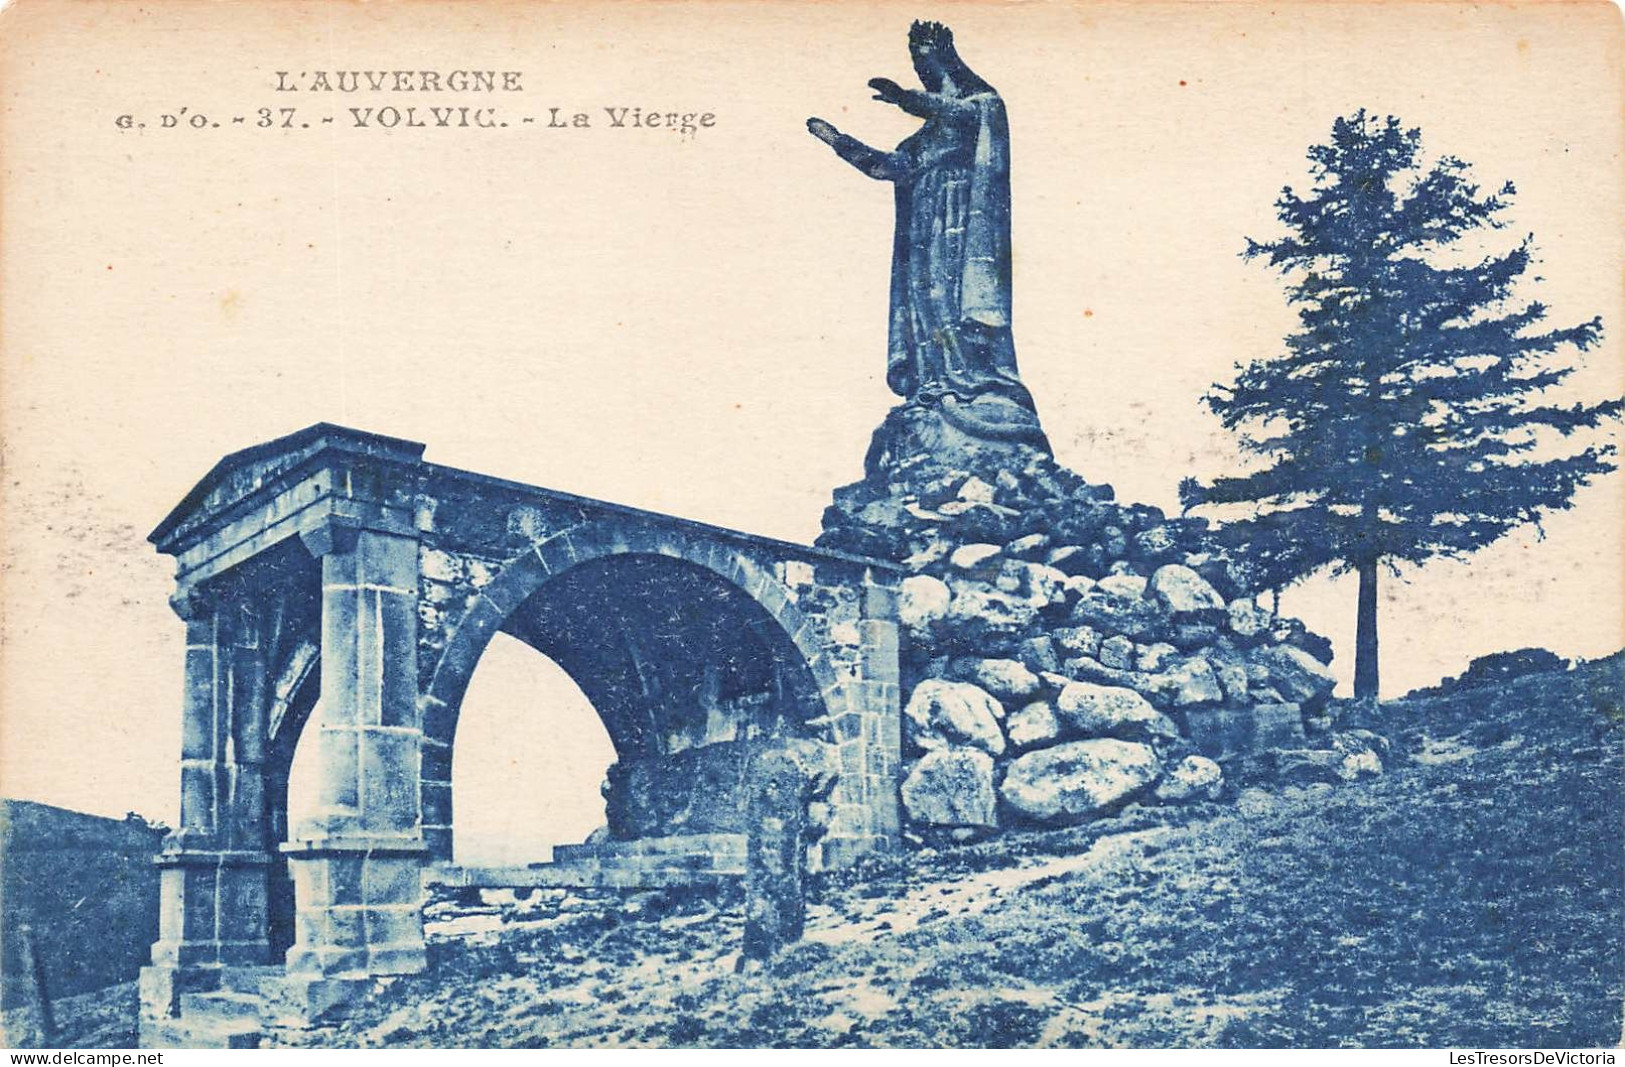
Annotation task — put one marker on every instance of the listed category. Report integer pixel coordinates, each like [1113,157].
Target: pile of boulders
[1064,654]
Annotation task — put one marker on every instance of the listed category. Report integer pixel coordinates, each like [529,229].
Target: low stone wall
[697,791]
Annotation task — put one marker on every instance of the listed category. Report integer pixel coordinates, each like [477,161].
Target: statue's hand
[888,91]
[823,131]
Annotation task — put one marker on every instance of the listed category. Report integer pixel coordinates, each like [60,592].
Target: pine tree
[1411,413]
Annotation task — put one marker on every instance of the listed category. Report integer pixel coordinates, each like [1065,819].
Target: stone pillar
[213,885]
[775,856]
[868,733]
[357,861]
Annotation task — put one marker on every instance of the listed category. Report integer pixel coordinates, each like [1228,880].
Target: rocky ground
[1473,895]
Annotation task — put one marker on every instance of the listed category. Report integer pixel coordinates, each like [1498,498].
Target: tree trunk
[1365,636]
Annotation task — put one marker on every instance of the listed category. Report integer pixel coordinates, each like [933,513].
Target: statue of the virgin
[950,344]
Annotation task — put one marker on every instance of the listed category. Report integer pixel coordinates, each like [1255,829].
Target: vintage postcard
[812,525]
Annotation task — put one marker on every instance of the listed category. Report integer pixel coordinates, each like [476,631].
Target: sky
[692,324]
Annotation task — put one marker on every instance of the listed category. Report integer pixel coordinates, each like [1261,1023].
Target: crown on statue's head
[927,35]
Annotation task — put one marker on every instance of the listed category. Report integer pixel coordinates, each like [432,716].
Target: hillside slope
[1471,896]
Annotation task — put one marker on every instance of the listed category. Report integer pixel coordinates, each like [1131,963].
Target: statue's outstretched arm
[884,166]
[917,101]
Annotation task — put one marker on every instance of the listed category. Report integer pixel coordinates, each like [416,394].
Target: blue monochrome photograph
[500,550]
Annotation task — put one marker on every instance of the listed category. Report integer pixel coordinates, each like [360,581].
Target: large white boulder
[1030,547]
[1155,657]
[1193,682]
[1008,679]
[1042,583]
[1295,673]
[1127,586]
[1071,782]
[1097,710]
[922,600]
[976,491]
[974,558]
[983,616]
[1117,652]
[1076,641]
[1182,589]
[943,714]
[951,787]
[1247,620]
[1033,724]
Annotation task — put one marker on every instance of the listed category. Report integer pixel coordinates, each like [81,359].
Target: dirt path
[966,895]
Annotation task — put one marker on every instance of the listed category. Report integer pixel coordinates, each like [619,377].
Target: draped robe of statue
[950,338]
[950,352]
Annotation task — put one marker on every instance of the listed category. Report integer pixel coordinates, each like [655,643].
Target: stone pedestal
[991,434]
[211,916]
[360,902]
[303,1001]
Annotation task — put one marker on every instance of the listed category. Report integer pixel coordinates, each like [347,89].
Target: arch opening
[685,670]
[529,760]
[292,791]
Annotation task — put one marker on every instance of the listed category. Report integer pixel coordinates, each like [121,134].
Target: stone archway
[685,652]
[340,562]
